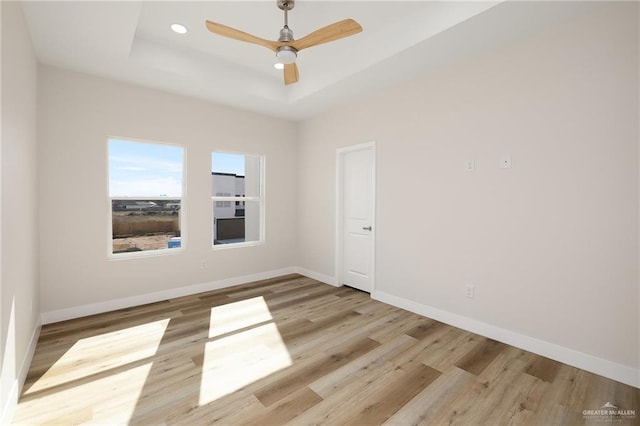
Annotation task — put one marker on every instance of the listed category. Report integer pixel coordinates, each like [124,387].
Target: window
[223,203]
[237,219]
[145,191]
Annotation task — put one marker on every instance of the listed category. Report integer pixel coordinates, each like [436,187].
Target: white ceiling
[131,41]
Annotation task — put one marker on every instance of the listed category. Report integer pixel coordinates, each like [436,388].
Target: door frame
[339,214]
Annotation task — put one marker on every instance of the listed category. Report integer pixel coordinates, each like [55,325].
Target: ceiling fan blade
[291,73]
[229,32]
[336,31]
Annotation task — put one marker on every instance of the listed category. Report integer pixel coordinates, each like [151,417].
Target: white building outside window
[238,200]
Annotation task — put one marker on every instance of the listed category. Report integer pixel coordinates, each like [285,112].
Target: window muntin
[145,191]
[237,199]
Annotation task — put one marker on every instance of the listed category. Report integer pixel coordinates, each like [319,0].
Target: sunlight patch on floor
[238,315]
[109,400]
[255,351]
[97,354]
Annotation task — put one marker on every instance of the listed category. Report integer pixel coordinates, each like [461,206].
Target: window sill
[146,254]
[228,246]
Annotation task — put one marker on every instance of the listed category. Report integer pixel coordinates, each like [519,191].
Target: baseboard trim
[317,276]
[26,362]
[11,402]
[603,367]
[128,302]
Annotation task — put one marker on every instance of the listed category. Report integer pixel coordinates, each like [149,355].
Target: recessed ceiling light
[179,28]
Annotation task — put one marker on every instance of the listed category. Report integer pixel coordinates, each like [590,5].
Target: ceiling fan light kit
[286,47]
[286,55]
[179,28]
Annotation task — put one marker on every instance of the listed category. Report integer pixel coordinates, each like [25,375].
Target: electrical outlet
[469,165]
[469,291]
[204,264]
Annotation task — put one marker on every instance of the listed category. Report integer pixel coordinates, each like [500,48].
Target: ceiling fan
[286,47]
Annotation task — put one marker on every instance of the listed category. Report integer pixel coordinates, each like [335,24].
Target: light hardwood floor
[293,350]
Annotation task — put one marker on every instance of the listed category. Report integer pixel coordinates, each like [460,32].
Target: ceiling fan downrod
[286,14]
[286,35]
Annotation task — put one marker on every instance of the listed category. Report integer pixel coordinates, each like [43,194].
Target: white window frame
[259,199]
[182,215]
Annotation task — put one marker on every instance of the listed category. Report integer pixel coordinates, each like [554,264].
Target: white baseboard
[26,362]
[603,367]
[317,276]
[127,302]
[11,402]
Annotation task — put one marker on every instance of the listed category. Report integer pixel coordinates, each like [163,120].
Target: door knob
[367,228]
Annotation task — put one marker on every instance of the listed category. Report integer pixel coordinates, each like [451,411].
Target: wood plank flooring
[293,350]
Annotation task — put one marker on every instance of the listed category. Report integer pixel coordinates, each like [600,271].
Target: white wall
[77,114]
[551,245]
[19,298]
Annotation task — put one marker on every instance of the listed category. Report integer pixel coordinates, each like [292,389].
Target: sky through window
[144,169]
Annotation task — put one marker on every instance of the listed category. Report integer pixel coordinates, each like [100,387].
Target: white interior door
[357,189]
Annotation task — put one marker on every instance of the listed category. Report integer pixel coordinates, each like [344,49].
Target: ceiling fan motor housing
[286,34]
